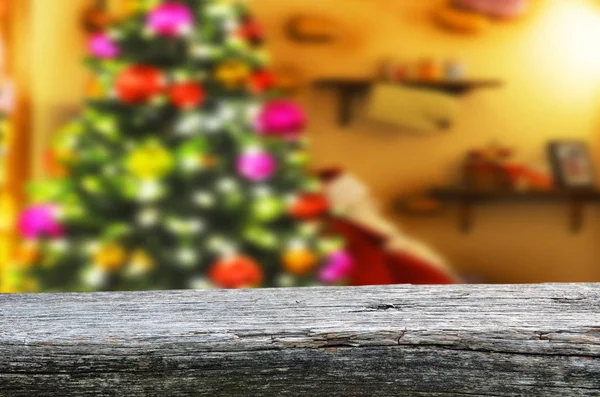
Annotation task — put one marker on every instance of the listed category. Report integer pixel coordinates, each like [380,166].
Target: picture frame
[572,164]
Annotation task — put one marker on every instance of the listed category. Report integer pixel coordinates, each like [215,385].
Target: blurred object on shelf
[387,70]
[96,18]
[499,9]
[571,164]
[532,179]
[411,109]
[455,70]
[461,21]
[493,168]
[484,168]
[429,70]
[401,72]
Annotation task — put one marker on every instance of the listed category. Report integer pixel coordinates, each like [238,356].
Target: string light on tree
[200,283]
[94,277]
[187,257]
[189,124]
[204,199]
[148,217]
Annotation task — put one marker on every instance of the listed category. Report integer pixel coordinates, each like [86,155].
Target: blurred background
[468,129]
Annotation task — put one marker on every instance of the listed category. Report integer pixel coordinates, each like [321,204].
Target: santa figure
[382,253]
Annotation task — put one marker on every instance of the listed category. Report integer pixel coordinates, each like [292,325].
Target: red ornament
[262,81]
[139,83]
[310,205]
[236,272]
[252,31]
[187,95]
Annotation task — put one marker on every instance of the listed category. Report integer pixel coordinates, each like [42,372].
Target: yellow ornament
[141,262]
[299,261]
[233,74]
[110,258]
[151,161]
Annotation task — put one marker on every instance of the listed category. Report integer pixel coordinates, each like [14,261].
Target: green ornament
[298,158]
[116,231]
[96,155]
[197,146]
[127,185]
[73,212]
[191,156]
[92,184]
[50,191]
[267,209]
[108,127]
[261,238]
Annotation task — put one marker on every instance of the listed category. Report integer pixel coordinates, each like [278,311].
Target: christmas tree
[184,170]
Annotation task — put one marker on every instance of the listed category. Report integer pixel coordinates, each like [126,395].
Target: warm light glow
[573,37]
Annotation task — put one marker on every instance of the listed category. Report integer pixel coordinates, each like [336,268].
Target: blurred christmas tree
[184,170]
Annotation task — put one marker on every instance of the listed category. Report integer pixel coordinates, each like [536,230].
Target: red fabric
[377,266]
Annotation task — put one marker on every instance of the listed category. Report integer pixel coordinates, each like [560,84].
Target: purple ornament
[256,165]
[281,118]
[103,47]
[170,19]
[40,221]
[339,266]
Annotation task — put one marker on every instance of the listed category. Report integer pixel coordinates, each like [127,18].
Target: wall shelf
[350,88]
[468,199]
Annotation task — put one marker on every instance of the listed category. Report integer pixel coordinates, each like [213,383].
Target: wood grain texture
[541,340]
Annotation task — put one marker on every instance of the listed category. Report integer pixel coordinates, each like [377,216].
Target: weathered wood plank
[531,340]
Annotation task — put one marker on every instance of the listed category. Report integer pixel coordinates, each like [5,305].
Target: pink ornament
[103,47]
[338,267]
[281,118]
[256,165]
[40,221]
[170,19]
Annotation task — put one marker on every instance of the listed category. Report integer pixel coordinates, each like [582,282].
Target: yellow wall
[550,62]
[58,78]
